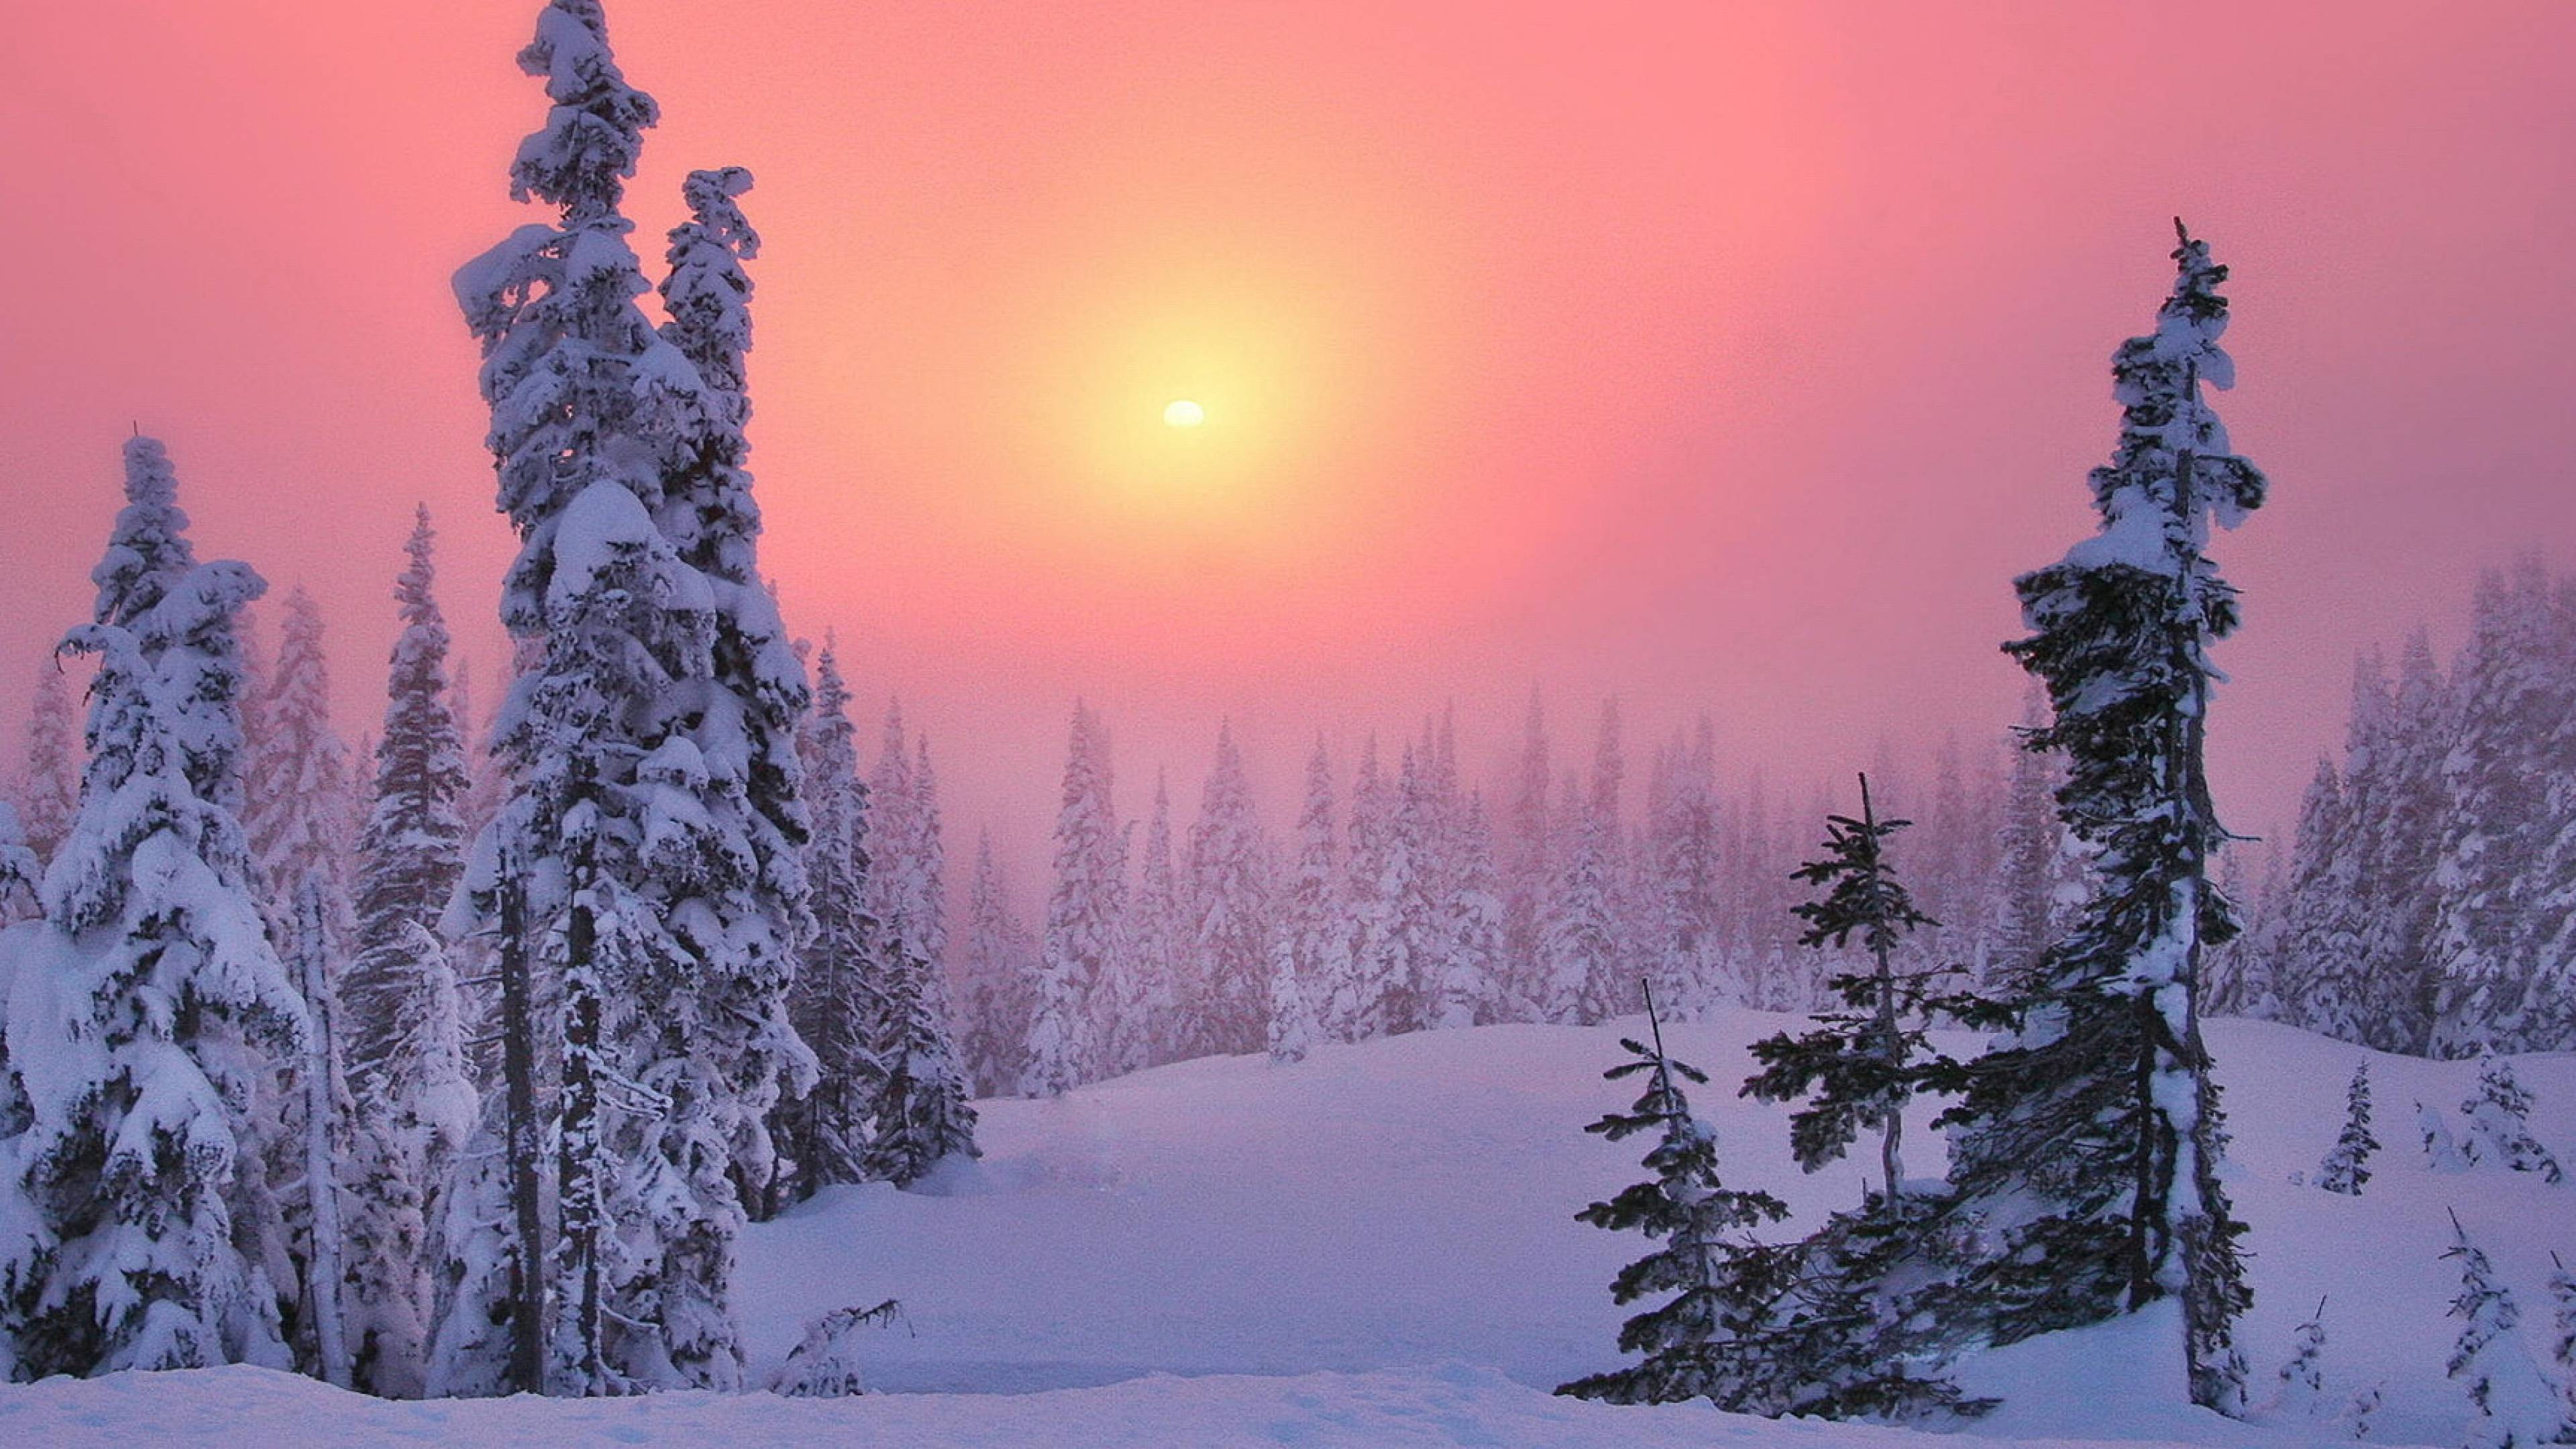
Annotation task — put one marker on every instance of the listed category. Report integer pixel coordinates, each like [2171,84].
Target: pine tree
[2500,1125]
[2562,1323]
[2512,1406]
[999,977]
[1467,990]
[1610,988]
[2347,1164]
[1863,1064]
[1577,948]
[2100,1114]
[1229,905]
[298,783]
[154,956]
[839,996]
[920,1105]
[2441,1152]
[650,740]
[1701,1226]
[48,791]
[2513,694]
[1137,1003]
[1307,954]
[1082,917]
[2303,1384]
[2033,849]
[1529,868]
[1355,1008]
[20,880]
[1686,962]
[400,1027]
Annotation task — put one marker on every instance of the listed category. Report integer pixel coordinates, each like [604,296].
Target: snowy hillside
[1392,1225]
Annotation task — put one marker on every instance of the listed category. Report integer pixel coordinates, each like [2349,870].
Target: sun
[1183,413]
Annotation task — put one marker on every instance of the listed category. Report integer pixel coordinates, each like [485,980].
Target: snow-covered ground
[1377,1246]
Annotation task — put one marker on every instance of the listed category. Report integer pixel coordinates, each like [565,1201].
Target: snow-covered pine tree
[1307,953]
[1137,1001]
[2513,694]
[920,1107]
[2347,1164]
[1355,1006]
[1468,989]
[401,1030]
[2033,844]
[2441,1151]
[2098,1117]
[1610,987]
[650,740]
[839,996]
[1686,963]
[1702,1228]
[2405,845]
[2562,1323]
[1400,939]
[1229,907]
[998,976]
[1082,916]
[1864,1063]
[154,957]
[1576,947]
[21,877]
[1529,869]
[2301,1395]
[48,786]
[2500,1124]
[2511,1404]
[298,783]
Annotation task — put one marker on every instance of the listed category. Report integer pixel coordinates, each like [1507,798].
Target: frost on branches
[650,735]
[149,1001]
[2097,1123]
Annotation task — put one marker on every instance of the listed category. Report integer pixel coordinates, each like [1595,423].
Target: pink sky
[1724,357]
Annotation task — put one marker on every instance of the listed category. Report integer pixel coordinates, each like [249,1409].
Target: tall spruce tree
[2099,1115]
[839,994]
[154,958]
[1081,919]
[401,1024]
[1229,905]
[1137,1001]
[654,811]
[998,974]
[1307,959]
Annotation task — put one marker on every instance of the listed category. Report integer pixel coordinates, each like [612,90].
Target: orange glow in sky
[1723,356]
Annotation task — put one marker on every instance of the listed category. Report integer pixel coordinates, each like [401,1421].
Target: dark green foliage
[1701,1225]
[1862,1064]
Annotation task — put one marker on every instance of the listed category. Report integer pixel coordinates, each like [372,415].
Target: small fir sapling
[2302,1391]
[825,1363]
[1865,1062]
[2500,1124]
[1699,1223]
[2356,1415]
[2347,1164]
[2441,1152]
[2512,1405]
